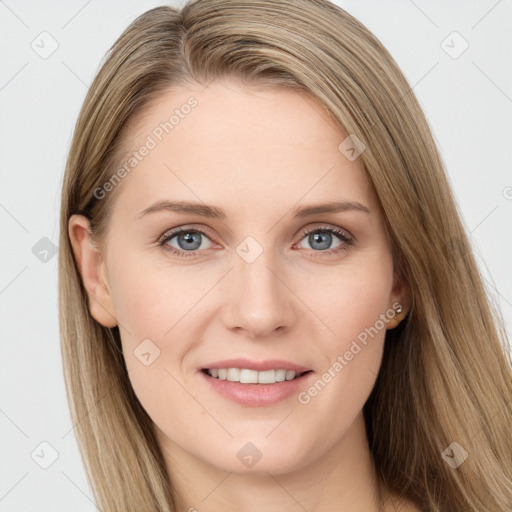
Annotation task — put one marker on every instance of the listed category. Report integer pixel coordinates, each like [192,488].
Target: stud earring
[398,310]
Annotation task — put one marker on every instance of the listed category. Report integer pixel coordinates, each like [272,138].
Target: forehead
[239,145]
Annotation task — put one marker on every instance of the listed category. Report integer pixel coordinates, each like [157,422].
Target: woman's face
[244,279]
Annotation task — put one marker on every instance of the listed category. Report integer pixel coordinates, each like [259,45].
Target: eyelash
[169,235]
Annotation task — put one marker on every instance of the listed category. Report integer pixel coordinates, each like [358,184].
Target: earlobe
[92,269]
[399,301]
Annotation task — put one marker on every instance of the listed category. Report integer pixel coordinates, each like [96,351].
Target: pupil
[191,238]
[317,238]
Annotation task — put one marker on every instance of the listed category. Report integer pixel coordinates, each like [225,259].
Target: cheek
[352,301]
[357,318]
[154,304]
[151,298]
[354,308]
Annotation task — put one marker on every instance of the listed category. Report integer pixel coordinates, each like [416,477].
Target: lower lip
[257,395]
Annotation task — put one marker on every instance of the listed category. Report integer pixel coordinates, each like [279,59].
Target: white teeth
[280,375]
[266,377]
[246,376]
[233,375]
[290,374]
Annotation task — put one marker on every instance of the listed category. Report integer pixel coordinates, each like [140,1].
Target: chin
[259,458]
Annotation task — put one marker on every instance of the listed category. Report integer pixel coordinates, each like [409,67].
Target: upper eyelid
[175,231]
[328,228]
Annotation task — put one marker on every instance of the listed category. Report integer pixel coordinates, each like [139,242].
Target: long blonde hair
[446,371]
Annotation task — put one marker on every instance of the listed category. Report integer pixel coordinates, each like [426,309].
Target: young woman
[268,299]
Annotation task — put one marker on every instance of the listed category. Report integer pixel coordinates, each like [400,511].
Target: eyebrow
[214,212]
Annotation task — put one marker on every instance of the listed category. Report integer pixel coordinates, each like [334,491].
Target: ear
[92,270]
[400,295]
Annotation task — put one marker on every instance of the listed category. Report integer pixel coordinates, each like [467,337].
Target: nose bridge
[261,302]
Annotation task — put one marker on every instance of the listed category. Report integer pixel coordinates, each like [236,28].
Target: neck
[343,478]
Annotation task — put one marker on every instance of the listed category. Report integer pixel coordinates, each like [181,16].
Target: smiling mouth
[246,376]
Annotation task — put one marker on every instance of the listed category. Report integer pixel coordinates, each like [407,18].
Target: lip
[257,395]
[260,366]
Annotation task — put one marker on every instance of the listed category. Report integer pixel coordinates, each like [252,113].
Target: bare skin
[257,154]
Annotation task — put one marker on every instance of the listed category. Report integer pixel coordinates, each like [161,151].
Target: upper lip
[260,366]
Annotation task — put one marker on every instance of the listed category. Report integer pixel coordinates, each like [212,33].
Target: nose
[260,302]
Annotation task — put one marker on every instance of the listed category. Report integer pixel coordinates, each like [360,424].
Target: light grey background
[467,100]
